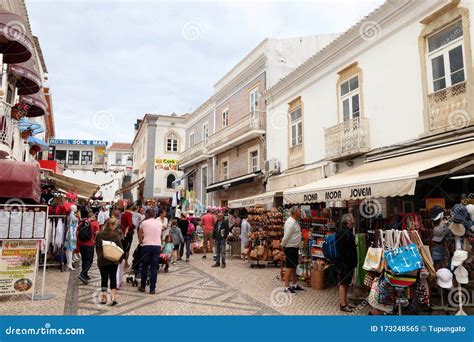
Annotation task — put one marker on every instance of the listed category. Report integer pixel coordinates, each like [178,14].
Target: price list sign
[23,222]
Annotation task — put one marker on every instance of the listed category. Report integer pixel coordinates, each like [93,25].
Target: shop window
[296,119]
[349,98]
[73,157]
[169,181]
[86,158]
[446,57]
[172,142]
[61,156]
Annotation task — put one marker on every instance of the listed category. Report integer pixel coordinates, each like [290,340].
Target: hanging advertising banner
[99,155]
[23,222]
[166,164]
[18,266]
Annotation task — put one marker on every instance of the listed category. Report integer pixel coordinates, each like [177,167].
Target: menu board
[4,223]
[17,266]
[23,222]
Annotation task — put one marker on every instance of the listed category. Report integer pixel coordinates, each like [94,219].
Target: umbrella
[41,143]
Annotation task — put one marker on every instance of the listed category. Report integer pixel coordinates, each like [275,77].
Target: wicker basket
[111,251]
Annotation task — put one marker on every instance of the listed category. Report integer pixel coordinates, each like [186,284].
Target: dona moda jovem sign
[78,142]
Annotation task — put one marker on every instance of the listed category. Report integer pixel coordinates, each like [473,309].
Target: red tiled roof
[121,146]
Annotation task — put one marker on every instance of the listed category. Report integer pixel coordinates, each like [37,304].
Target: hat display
[436,213]
[462,276]
[458,258]
[439,233]
[444,278]
[457,229]
[459,214]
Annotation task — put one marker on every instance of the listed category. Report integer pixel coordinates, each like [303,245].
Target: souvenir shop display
[265,236]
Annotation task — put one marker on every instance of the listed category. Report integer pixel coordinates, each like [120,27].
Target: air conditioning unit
[272,166]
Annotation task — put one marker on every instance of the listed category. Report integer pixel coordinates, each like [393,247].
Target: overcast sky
[110,62]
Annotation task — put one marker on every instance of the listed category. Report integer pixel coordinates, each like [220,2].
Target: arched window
[169,181]
[172,142]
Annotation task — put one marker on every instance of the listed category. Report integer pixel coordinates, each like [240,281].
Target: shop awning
[41,143]
[25,125]
[384,178]
[37,102]
[83,188]
[249,178]
[28,80]
[129,186]
[20,180]
[15,45]
[261,199]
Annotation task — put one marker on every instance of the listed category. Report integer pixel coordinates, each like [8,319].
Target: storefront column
[150,157]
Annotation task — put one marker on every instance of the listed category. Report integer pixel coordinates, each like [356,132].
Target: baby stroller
[137,264]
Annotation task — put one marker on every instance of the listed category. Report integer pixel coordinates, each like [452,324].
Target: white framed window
[349,98]
[73,157]
[296,132]
[191,140]
[118,158]
[253,161]
[205,133]
[225,118]
[253,99]
[172,142]
[225,169]
[446,57]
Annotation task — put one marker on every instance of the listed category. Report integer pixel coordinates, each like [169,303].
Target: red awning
[27,74]
[37,102]
[15,45]
[20,180]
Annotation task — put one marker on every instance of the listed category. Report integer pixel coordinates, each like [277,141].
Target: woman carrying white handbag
[109,254]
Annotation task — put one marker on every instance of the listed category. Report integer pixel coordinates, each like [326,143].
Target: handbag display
[253,254]
[111,251]
[404,259]
[276,244]
[369,279]
[425,253]
[373,258]
[422,292]
[405,280]
[374,297]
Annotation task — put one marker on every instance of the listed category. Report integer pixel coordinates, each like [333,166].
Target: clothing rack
[53,219]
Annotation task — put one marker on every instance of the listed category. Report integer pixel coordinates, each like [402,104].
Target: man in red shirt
[87,247]
[128,229]
[208,221]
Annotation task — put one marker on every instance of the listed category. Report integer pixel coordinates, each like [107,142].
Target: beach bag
[404,280]
[330,247]
[404,259]
[374,297]
[276,244]
[422,292]
[374,257]
[111,251]
[425,253]
[369,279]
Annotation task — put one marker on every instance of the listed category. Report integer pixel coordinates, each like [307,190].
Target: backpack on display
[84,231]
[330,248]
[191,228]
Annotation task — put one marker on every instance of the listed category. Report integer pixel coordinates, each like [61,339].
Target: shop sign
[361,192]
[78,142]
[431,202]
[18,266]
[166,164]
[313,197]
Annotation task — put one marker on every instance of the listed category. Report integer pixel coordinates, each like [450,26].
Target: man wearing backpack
[86,232]
[291,243]
[346,261]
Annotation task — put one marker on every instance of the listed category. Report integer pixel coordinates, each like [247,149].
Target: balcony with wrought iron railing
[245,129]
[193,154]
[448,109]
[6,130]
[347,139]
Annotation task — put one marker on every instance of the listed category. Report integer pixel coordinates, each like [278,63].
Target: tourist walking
[103,216]
[149,236]
[164,222]
[177,238]
[183,224]
[221,232]
[128,229]
[107,268]
[207,222]
[291,243]
[86,236]
[346,258]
